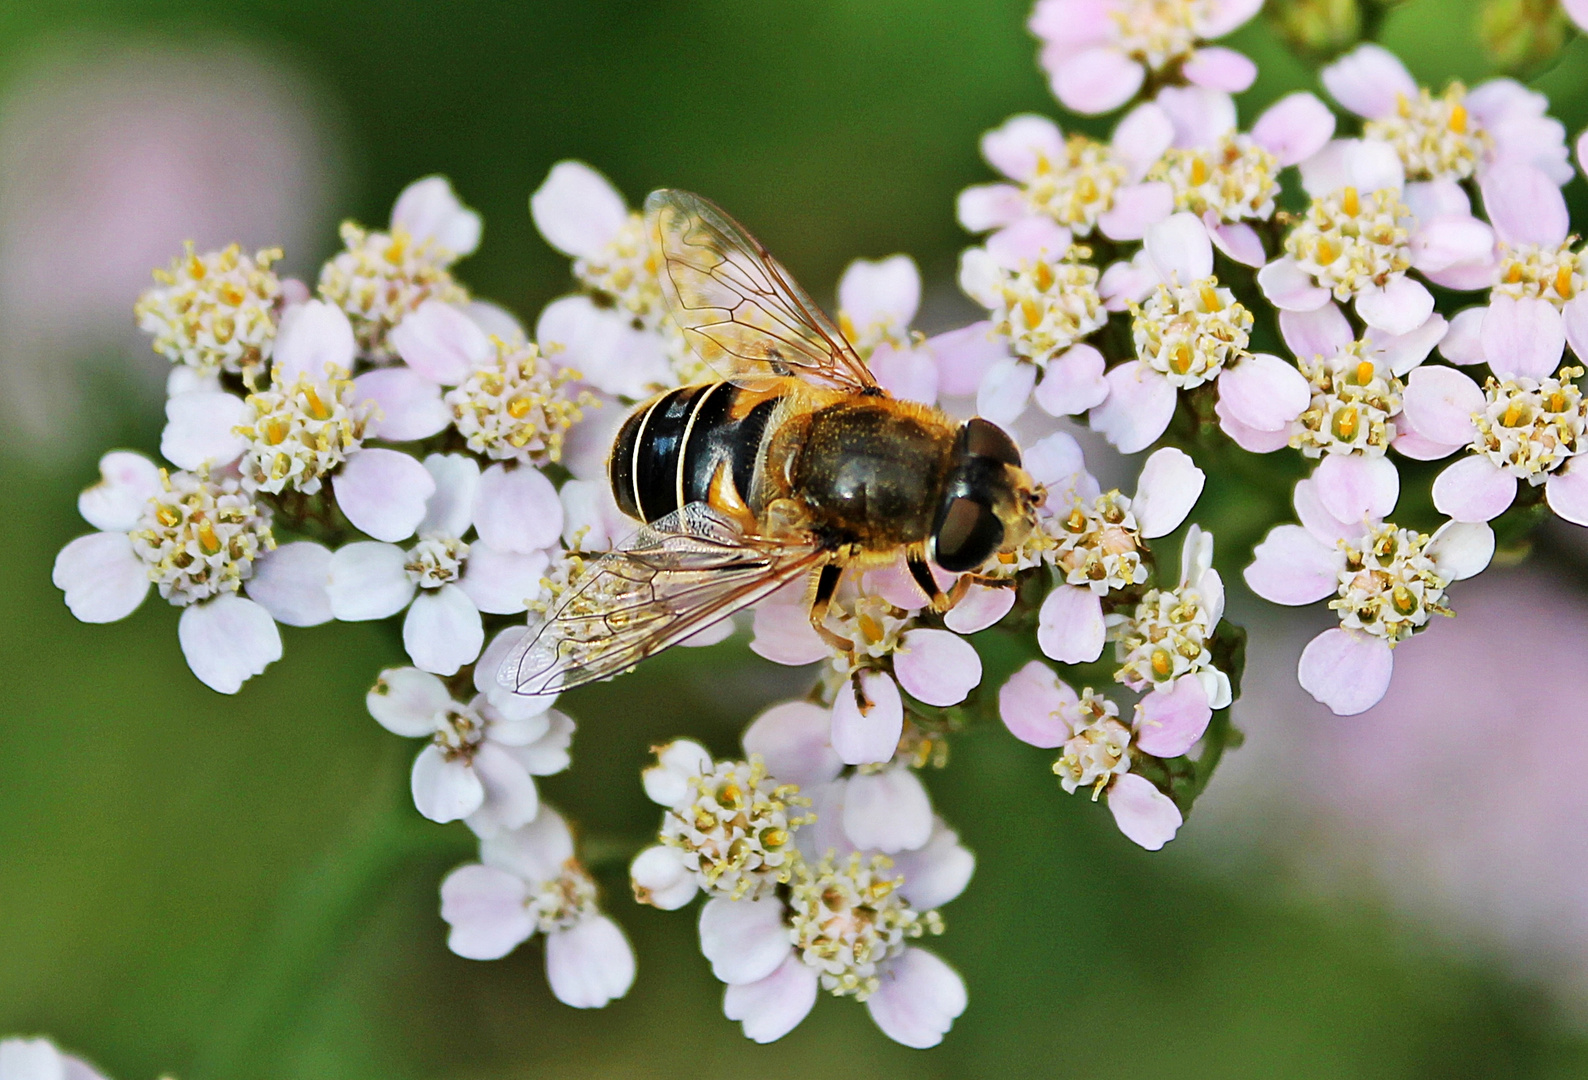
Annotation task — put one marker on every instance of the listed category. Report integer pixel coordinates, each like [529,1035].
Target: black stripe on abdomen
[646,454]
[715,439]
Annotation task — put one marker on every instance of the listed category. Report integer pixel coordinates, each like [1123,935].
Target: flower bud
[1521,36]
[1317,28]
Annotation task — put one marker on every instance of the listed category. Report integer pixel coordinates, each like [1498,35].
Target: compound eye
[984,439]
[967,535]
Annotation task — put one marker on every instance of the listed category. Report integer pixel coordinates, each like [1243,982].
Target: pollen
[1044,308]
[1076,190]
[1349,241]
[302,430]
[1433,135]
[1389,586]
[1530,428]
[1236,180]
[848,917]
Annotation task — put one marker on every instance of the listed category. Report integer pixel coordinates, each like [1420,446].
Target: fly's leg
[826,588]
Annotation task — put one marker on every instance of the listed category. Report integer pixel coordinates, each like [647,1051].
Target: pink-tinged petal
[444,790]
[313,338]
[794,739]
[127,482]
[517,509]
[201,428]
[1169,487]
[918,1000]
[383,493]
[496,321]
[981,606]
[227,641]
[1072,383]
[895,584]
[1464,277]
[1450,240]
[1292,567]
[1005,390]
[1369,80]
[591,519]
[1290,288]
[784,635]
[1439,404]
[1294,128]
[1073,24]
[1353,488]
[429,210]
[602,345]
[103,578]
[1322,332]
[963,357]
[1574,318]
[1201,117]
[1474,489]
[1179,249]
[410,405]
[1461,549]
[770,1008]
[745,940]
[1567,492]
[907,374]
[1264,392]
[1365,164]
[290,583]
[885,292]
[1463,342]
[1409,444]
[1523,338]
[1249,438]
[1170,720]
[984,207]
[1127,282]
[450,508]
[1220,17]
[1525,205]
[1316,518]
[1070,626]
[1136,209]
[577,209]
[502,582]
[1096,80]
[710,634]
[536,852]
[1428,199]
[589,442]
[443,630]
[441,342]
[1031,239]
[511,798]
[1347,671]
[367,581]
[1141,137]
[1218,68]
[1054,460]
[487,910]
[870,737]
[661,879]
[936,873]
[590,964]
[1238,241]
[937,667]
[1398,308]
[887,811]
[1143,813]
[1022,144]
[1403,352]
[1140,404]
[667,782]
[408,702]
[1031,704]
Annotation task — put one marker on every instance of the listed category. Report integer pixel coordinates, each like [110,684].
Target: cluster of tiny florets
[848,917]
[1158,32]
[1544,272]
[381,277]
[1389,585]
[516,407]
[1098,748]
[1098,546]
[1189,332]
[214,312]
[1350,241]
[1045,307]
[737,830]
[1433,135]
[1167,637]
[1353,400]
[301,431]
[1532,427]
[1237,180]
[200,535]
[1079,188]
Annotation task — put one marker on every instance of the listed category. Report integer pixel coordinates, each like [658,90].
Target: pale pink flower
[1098,53]
[1454,134]
[196,538]
[1192,331]
[529,880]
[481,761]
[445,580]
[39,1059]
[1387,583]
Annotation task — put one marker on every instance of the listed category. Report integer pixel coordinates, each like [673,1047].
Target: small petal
[1249,438]
[1370,81]
[103,578]
[1136,209]
[1567,492]
[443,630]
[441,342]
[1143,813]
[1316,518]
[589,964]
[511,798]
[1031,704]
[864,739]
[983,207]
[1292,567]
[227,640]
[1070,625]
[1463,342]
[603,346]
[1057,462]
[1238,241]
[1346,671]
[1353,488]
[1409,444]
[1141,137]
[127,482]
[314,337]
[1403,352]
[963,357]
[884,293]
[1322,332]
[503,582]
[937,667]
[410,405]
[770,1008]
[745,940]
[1450,240]
[290,583]
[1264,392]
[1220,69]
[577,209]
[795,741]
[1290,288]
[450,509]
[444,790]
[936,873]
[368,581]
[429,210]
[784,635]
[1523,338]
[1294,128]
[661,879]
[383,493]
[487,910]
[408,702]
[907,374]
[1474,489]
[1574,316]
[201,428]
[517,509]
[1525,205]
[1072,383]
[919,999]
[1169,487]
[1031,239]
[1398,308]
[1170,721]
[535,852]
[1179,249]
[1461,549]
[1022,144]
[1439,404]
[1097,80]
[981,606]
[1005,390]
[1201,116]
[1140,404]
[887,811]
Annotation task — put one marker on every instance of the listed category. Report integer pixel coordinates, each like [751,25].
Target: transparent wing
[670,579]
[739,309]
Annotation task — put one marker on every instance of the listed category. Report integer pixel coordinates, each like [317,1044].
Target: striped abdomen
[694,444]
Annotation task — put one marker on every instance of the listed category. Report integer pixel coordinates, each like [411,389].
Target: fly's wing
[738,308]
[670,579]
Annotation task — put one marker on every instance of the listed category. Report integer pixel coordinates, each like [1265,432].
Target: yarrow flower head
[1168,635]
[199,536]
[300,430]
[848,918]
[214,312]
[516,407]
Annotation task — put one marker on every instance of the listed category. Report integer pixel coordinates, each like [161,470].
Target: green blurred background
[239,887]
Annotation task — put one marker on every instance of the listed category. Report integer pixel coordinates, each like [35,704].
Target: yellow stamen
[1086,189]
[1563,285]
[1364,372]
[519,407]
[1210,298]
[1162,663]
[1403,600]
[1350,202]
[1199,172]
[209,543]
[1458,119]
[1324,252]
[1180,359]
[1032,313]
[1044,276]
[1346,422]
[317,408]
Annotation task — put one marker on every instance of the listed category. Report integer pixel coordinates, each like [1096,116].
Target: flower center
[1094,755]
[1388,586]
[1433,135]
[436,560]
[1098,546]
[1189,332]
[848,918]
[1075,190]
[302,431]
[1352,402]
[737,829]
[1158,32]
[214,312]
[1349,241]
[1047,307]
[565,899]
[1235,180]
[517,407]
[460,733]
[1165,638]
[199,537]
[1530,427]
[1547,273]
[381,277]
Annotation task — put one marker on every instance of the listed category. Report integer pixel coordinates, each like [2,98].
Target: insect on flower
[796,463]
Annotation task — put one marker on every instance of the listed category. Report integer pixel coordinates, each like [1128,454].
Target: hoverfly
[795,463]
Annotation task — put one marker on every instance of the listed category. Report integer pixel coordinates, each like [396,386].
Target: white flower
[39,1059]
[214,312]
[382,277]
[514,516]
[529,880]
[481,761]
[196,538]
